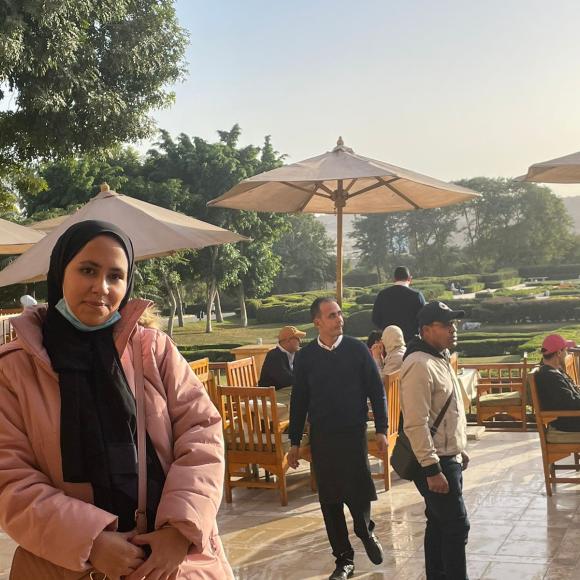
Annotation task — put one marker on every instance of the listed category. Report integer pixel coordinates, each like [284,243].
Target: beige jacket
[56,520]
[426,383]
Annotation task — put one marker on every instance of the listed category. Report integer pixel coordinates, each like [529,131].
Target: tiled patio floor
[516,531]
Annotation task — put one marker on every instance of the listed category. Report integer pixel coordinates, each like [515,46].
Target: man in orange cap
[278,368]
[556,389]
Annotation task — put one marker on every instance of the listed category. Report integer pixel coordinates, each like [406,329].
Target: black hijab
[98,413]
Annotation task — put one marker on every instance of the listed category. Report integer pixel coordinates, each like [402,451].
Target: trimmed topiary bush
[359,324]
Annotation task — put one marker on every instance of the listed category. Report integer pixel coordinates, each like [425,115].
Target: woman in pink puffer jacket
[68,471]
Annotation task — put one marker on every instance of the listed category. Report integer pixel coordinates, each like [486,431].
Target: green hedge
[359,324]
[269,313]
[366,298]
[356,278]
[475,287]
[489,346]
[499,276]
[214,355]
[553,272]
[553,310]
[505,283]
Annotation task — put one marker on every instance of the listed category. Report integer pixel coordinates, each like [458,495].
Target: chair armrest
[559,413]
[283,425]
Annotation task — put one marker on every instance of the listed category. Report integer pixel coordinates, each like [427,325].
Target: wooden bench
[555,445]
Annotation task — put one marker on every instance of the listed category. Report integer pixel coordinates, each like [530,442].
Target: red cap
[554,342]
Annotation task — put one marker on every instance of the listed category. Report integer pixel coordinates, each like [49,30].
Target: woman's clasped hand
[120,555]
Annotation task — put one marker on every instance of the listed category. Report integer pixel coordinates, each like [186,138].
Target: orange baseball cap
[290,332]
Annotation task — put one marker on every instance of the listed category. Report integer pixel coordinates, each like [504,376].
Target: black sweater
[398,305]
[276,371]
[557,392]
[333,387]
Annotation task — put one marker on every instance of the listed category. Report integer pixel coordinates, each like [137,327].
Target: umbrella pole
[339,203]
[339,255]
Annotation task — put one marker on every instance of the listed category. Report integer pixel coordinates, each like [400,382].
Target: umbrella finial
[105,187]
[341,147]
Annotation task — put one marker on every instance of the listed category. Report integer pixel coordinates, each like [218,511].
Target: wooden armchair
[501,392]
[555,445]
[253,434]
[454,362]
[201,369]
[571,368]
[242,373]
[392,384]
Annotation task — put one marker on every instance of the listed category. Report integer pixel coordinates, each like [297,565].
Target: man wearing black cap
[429,388]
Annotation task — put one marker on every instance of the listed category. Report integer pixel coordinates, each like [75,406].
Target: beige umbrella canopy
[341,181]
[560,170]
[15,239]
[155,231]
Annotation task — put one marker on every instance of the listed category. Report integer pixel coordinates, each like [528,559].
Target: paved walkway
[517,532]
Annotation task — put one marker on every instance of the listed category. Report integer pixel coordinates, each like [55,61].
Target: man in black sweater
[398,305]
[335,376]
[556,390]
[278,368]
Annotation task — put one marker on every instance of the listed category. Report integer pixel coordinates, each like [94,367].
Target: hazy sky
[448,88]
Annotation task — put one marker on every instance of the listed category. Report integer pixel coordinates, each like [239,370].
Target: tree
[81,75]
[307,255]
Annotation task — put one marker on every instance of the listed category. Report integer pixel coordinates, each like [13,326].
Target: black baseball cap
[438,312]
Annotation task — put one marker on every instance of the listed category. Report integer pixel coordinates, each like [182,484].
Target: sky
[449,88]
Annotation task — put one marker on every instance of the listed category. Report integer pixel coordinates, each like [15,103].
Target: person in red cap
[556,389]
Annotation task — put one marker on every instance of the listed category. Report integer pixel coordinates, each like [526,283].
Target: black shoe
[374,549]
[342,572]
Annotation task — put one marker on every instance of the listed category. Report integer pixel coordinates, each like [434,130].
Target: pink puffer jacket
[56,520]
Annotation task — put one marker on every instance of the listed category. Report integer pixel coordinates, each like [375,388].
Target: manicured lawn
[229,332]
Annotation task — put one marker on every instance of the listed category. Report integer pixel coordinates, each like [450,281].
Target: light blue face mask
[63,308]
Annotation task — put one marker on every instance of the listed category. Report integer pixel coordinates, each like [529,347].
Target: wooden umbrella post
[339,203]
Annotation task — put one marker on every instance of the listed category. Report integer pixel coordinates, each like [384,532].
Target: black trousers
[337,531]
[447,525]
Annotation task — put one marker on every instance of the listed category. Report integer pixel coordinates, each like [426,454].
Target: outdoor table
[258,351]
[468,381]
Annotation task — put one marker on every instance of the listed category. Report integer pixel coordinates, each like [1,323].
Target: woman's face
[95,280]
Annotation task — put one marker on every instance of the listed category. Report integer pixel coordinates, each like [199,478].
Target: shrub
[358,278]
[489,346]
[505,283]
[252,306]
[359,324]
[214,355]
[366,298]
[475,287]
[553,272]
[552,310]
[269,313]
[298,316]
[499,276]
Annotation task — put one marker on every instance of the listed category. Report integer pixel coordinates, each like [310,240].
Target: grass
[229,331]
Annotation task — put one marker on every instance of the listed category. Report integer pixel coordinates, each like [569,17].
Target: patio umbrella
[15,239]
[340,182]
[155,231]
[560,170]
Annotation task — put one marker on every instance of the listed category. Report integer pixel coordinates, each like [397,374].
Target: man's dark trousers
[447,525]
[337,531]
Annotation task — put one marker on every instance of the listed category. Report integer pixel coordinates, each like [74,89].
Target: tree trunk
[177,295]
[211,290]
[172,305]
[243,311]
[379,276]
[219,317]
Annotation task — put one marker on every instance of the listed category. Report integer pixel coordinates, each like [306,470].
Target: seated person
[556,390]
[395,348]
[278,368]
[376,347]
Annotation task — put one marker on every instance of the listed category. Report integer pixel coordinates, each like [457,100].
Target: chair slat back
[542,420]
[454,362]
[242,373]
[501,377]
[250,419]
[392,384]
[570,367]
[201,368]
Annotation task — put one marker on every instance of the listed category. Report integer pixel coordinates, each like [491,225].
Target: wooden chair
[454,362]
[242,373]
[555,446]
[392,384]
[571,368]
[501,391]
[253,436]
[201,368]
